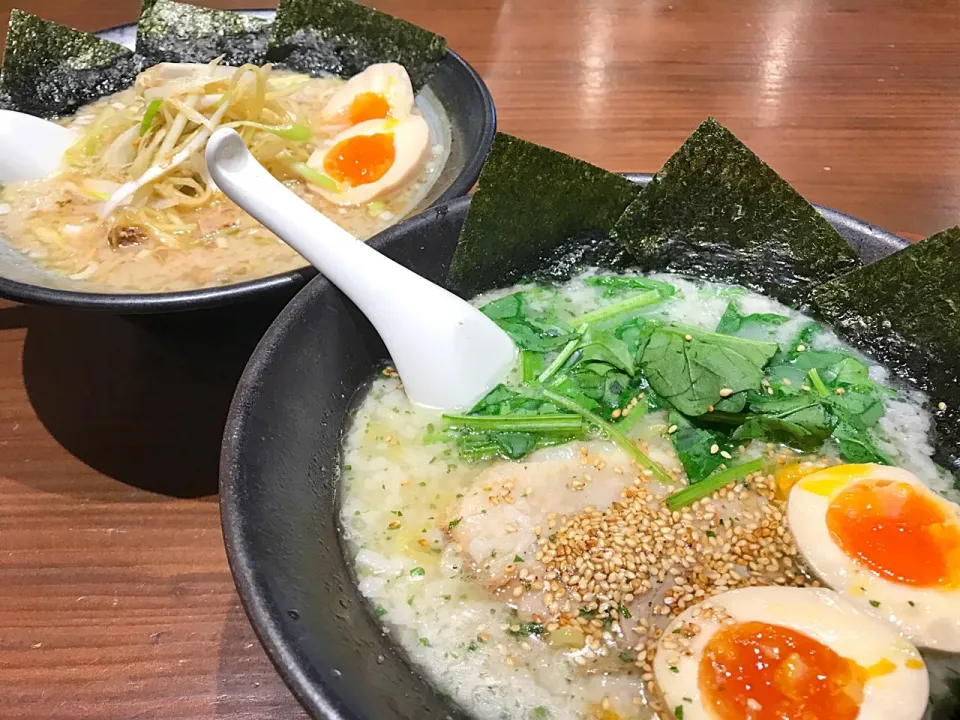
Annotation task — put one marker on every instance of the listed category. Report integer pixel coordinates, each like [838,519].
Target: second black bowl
[455,90]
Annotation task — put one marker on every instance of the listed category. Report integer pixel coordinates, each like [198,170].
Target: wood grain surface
[115,597]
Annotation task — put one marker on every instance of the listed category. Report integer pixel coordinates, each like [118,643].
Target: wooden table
[115,598]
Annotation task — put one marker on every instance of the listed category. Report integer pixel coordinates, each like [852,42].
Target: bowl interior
[279,486]
[459,109]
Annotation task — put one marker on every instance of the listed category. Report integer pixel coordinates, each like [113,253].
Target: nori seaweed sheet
[904,310]
[343,37]
[531,203]
[50,69]
[717,211]
[170,31]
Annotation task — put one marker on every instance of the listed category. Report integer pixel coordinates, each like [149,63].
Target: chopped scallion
[312,176]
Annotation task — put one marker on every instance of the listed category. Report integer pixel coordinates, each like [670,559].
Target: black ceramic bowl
[455,90]
[279,486]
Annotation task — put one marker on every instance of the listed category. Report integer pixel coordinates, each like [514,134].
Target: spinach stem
[565,352]
[817,382]
[611,432]
[708,486]
[530,363]
[633,303]
[553,422]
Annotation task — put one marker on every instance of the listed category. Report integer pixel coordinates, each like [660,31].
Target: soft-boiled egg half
[381,91]
[777,652]
[882,537]
[370,159]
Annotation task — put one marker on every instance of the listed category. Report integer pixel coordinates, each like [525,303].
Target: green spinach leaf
[689,367]
[694,445]
[733,321]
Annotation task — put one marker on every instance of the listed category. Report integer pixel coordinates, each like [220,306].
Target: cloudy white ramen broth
[539,588]
[134,208]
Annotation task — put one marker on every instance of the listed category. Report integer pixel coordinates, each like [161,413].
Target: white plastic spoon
[30,147]
[448,353]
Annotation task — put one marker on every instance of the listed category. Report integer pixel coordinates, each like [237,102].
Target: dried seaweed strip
[717,211]
[177,32]
[905,311]
[343,37]
[50,69]
[531,205]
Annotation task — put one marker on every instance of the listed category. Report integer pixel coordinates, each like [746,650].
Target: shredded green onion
[149,115]
[291,131]
[708,486]
[312,176]
[375,208]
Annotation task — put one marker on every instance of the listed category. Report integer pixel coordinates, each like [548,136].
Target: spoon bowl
[30,147]
[447,352]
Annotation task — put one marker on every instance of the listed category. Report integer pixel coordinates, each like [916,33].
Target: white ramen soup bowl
[460,114]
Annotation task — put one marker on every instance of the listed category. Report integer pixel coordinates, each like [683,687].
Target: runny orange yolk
[756,670]
[368,106]
[897,531]
[360,159]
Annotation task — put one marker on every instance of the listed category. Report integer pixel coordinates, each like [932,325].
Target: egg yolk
[368,106]
[898,531]
[360,159]
[756,670]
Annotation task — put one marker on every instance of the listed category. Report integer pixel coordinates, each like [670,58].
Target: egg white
[817,612]
[929,617]
[411,142]
[389,80]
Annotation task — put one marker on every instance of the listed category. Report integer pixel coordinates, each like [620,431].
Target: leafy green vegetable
[50,69]
[510,425]
[695,447]
[800,421]
[705,488]
[905,311]
[618,285]
[509,229]
[510,314]
[531,365]
[555,422]
[733,321]
[689,367]
[612,433]
[170,31]
[565,353]
[716,211]
[343,37]
[607,312]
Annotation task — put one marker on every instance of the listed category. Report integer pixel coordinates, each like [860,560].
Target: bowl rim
[203,298]
[320,701]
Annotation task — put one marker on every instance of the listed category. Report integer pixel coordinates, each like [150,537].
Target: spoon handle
[447,352]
